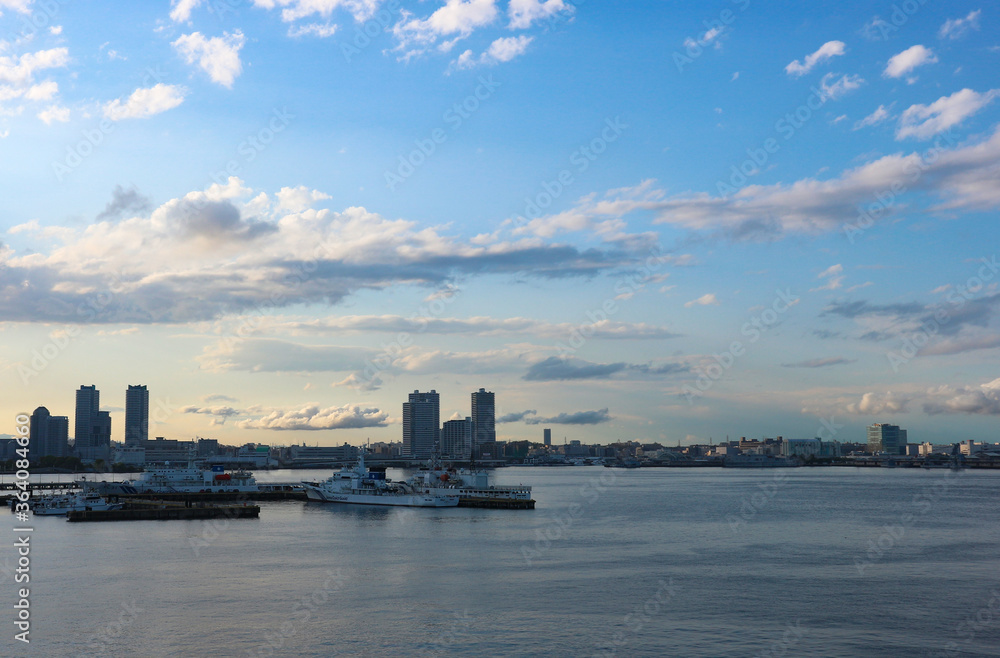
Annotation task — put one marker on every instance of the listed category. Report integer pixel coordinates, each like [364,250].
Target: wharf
[159,511]
[495,503]
[218,496]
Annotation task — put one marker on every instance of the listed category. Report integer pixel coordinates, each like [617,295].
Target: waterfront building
[547,437]
[306,455]
[136,415]
[421,424]
[806,448]
[47,435]
[456,438]
[484,431]
[88,402]
[883,437]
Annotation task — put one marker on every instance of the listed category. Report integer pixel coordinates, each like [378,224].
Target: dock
[161,511]
[495,503]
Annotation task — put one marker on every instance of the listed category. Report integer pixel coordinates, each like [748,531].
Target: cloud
[54,113]
[272,355]
[874,404]
[880,114]
[833,276]
[20,6]
[827,51]
[146,102]
[515,416]
[902,63]
[124,201]
[457,17]
[224,251]
[501,50]
[707,299]
[297,199]
[523,13]
[222,412]
[575,418]
[819,363]
[925,121]
[180,11]
[217,56]
[956,28]
[217,397]
[293,10]
[983,399]
[558,369]
[321,30]
[834,90]
[312,417]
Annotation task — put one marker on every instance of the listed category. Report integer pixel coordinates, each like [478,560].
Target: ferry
[366,487]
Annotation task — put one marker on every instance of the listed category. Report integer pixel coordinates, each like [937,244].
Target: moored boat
[366,487]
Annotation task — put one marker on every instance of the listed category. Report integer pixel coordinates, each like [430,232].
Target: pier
[161,511]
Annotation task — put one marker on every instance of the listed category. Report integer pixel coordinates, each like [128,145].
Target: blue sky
[657,221]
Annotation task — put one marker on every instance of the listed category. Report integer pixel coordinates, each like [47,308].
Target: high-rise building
[456,438]
[484,429]
[102,436]
[883,437]
[136,415]
[47,435]
[421,424]
[88,402]
[547,436]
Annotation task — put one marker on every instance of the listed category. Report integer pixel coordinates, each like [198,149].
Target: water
[647,562]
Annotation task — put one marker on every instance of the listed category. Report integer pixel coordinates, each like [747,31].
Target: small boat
[79,502]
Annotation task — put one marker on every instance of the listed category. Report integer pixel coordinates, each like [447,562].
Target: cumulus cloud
[831,89]
[54,113]
[18,81]
[293,10]
[574,418]
[956,28]
[146,102]
[312,417]
[297,199]
[925,121]
[456,19]
[516,416]
[983,399]
[219,57]
[873,404]
[555,369]
[180,10]
[219,413]
[124,201]
[501,50]
[902,63]
[523,13]
[825,52]
[321,30]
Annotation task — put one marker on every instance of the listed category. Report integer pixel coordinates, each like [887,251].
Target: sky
[656,221]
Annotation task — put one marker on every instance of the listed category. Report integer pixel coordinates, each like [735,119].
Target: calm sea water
[648,562]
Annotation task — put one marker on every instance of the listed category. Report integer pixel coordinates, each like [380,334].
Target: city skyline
[643,223]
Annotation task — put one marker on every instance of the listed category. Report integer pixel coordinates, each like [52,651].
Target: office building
[886,438]
[88,402]
[421,424]
[456,438]
[136,415]
[47,435]
[547,436]
[484,432]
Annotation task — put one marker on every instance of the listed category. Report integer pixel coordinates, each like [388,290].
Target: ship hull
[317,494]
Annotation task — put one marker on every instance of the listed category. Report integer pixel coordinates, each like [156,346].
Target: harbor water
[642,562]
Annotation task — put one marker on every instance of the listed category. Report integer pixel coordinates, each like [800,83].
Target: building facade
[88,402]
[136,415]
[484,429]
[421,424]
[47,435]
[883,437]
[456,438]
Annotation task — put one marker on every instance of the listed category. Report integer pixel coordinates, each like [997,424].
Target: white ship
[365,487]
[469,484]
[79,502]
[169,478]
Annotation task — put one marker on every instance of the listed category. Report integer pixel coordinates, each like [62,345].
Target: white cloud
[833,275]
[145,102]
[54,113]
[707,299]
[501,50]
[293,10]
[55,29]
[983,399]
[456,17]
[21,6]
[217,56]
[297,199]
[42,92]
[874,404]
[880,114]
[924,121]
[827,51]
[523,13]
[180,11]
[312,417]
[902,63]
[20,71]
[956,28]
[321,30]
[837,88]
